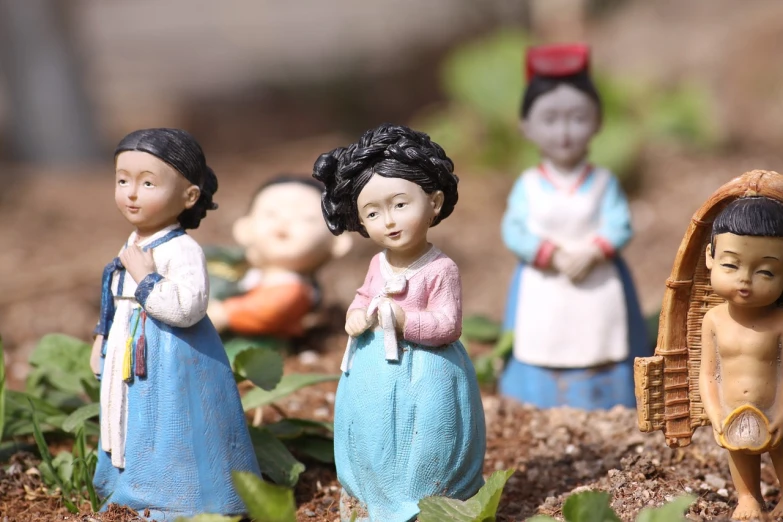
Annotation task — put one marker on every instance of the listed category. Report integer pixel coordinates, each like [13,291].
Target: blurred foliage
[479,124]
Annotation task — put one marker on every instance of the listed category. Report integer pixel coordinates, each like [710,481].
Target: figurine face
[747,271]
[149,193]
[285,229]
[397,213]
[561,123]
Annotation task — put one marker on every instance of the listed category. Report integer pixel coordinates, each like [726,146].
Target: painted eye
[400,205]
[122,182]
[729,265]
[371,215]
[148,184]
[766,273]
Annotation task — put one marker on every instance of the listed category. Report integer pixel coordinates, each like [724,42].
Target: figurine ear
[243,230]
[437,199]
[192,193]
[708,256]
[342,245]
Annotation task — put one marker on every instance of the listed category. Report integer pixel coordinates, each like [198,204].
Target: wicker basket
[667,384]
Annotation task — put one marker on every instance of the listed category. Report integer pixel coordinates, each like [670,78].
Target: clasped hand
[577,263]
[357,322]
[137,262]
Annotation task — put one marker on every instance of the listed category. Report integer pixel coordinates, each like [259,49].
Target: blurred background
[692,95]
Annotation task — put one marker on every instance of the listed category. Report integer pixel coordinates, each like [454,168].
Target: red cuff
[605,246]
[544,255]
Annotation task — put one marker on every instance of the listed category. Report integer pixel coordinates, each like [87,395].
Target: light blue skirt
[186,429]
[408,429]
[592,388]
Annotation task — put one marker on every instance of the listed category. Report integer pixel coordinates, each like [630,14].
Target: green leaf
[274,458]
[293,428]
[208,518]
[313,446]
[288,384]
[76,419]
[262,366]
[265,502]
[63,466]
[482,507]
[485,75]
[481,329]
[489,494]
[673,511]
[236,345]
[2,389]
[63,361]
[589,506]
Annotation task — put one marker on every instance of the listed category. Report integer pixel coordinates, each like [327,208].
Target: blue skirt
[408,429]
[186,429]
[592,388]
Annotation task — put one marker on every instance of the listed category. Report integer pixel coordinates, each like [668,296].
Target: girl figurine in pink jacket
[408,416]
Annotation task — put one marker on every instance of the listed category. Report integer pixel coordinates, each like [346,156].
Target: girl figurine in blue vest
[572,305]
[172,425]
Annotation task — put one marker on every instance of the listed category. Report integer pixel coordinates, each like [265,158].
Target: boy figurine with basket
[721,334]
[741,343]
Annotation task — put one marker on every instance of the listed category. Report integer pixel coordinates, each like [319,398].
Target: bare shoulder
[715,315]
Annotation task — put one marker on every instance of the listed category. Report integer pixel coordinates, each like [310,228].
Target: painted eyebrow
[771,257]
[370,203]
[730,252]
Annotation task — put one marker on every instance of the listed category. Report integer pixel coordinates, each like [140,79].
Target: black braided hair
[392,151]
[182,152]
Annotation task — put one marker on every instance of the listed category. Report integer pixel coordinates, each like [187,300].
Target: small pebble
[321,412]
[723,492]
[309,357]
[715,481]
[309,513]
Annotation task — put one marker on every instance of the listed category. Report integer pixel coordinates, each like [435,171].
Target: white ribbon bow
[395,284]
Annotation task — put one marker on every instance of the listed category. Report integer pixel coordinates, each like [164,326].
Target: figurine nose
[389,218]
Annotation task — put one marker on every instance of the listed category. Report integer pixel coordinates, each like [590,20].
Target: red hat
[557,60]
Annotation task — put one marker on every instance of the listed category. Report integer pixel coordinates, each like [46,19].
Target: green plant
[265,502]
[483,84]
[61,399]
[593,506]
[70,471]
[482,507]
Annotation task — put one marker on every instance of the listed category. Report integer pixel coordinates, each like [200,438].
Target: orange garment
[270,309]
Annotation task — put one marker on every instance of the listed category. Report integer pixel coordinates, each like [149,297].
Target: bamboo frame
[667,384]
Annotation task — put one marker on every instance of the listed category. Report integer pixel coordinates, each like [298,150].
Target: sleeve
[615,228]
[267,310]
[517,236]
[441,322]
[364,293]
[179,299]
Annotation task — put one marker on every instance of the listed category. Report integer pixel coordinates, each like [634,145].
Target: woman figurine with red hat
[572,304]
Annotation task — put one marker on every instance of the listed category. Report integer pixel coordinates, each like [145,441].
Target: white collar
[157,235]
[388,273]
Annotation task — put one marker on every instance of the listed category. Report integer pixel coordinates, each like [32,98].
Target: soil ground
[59,229]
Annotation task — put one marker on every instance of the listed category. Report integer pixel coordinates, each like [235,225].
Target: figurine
[572,305]
[739,380]
[172,425]
[408,421]
[286,241]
